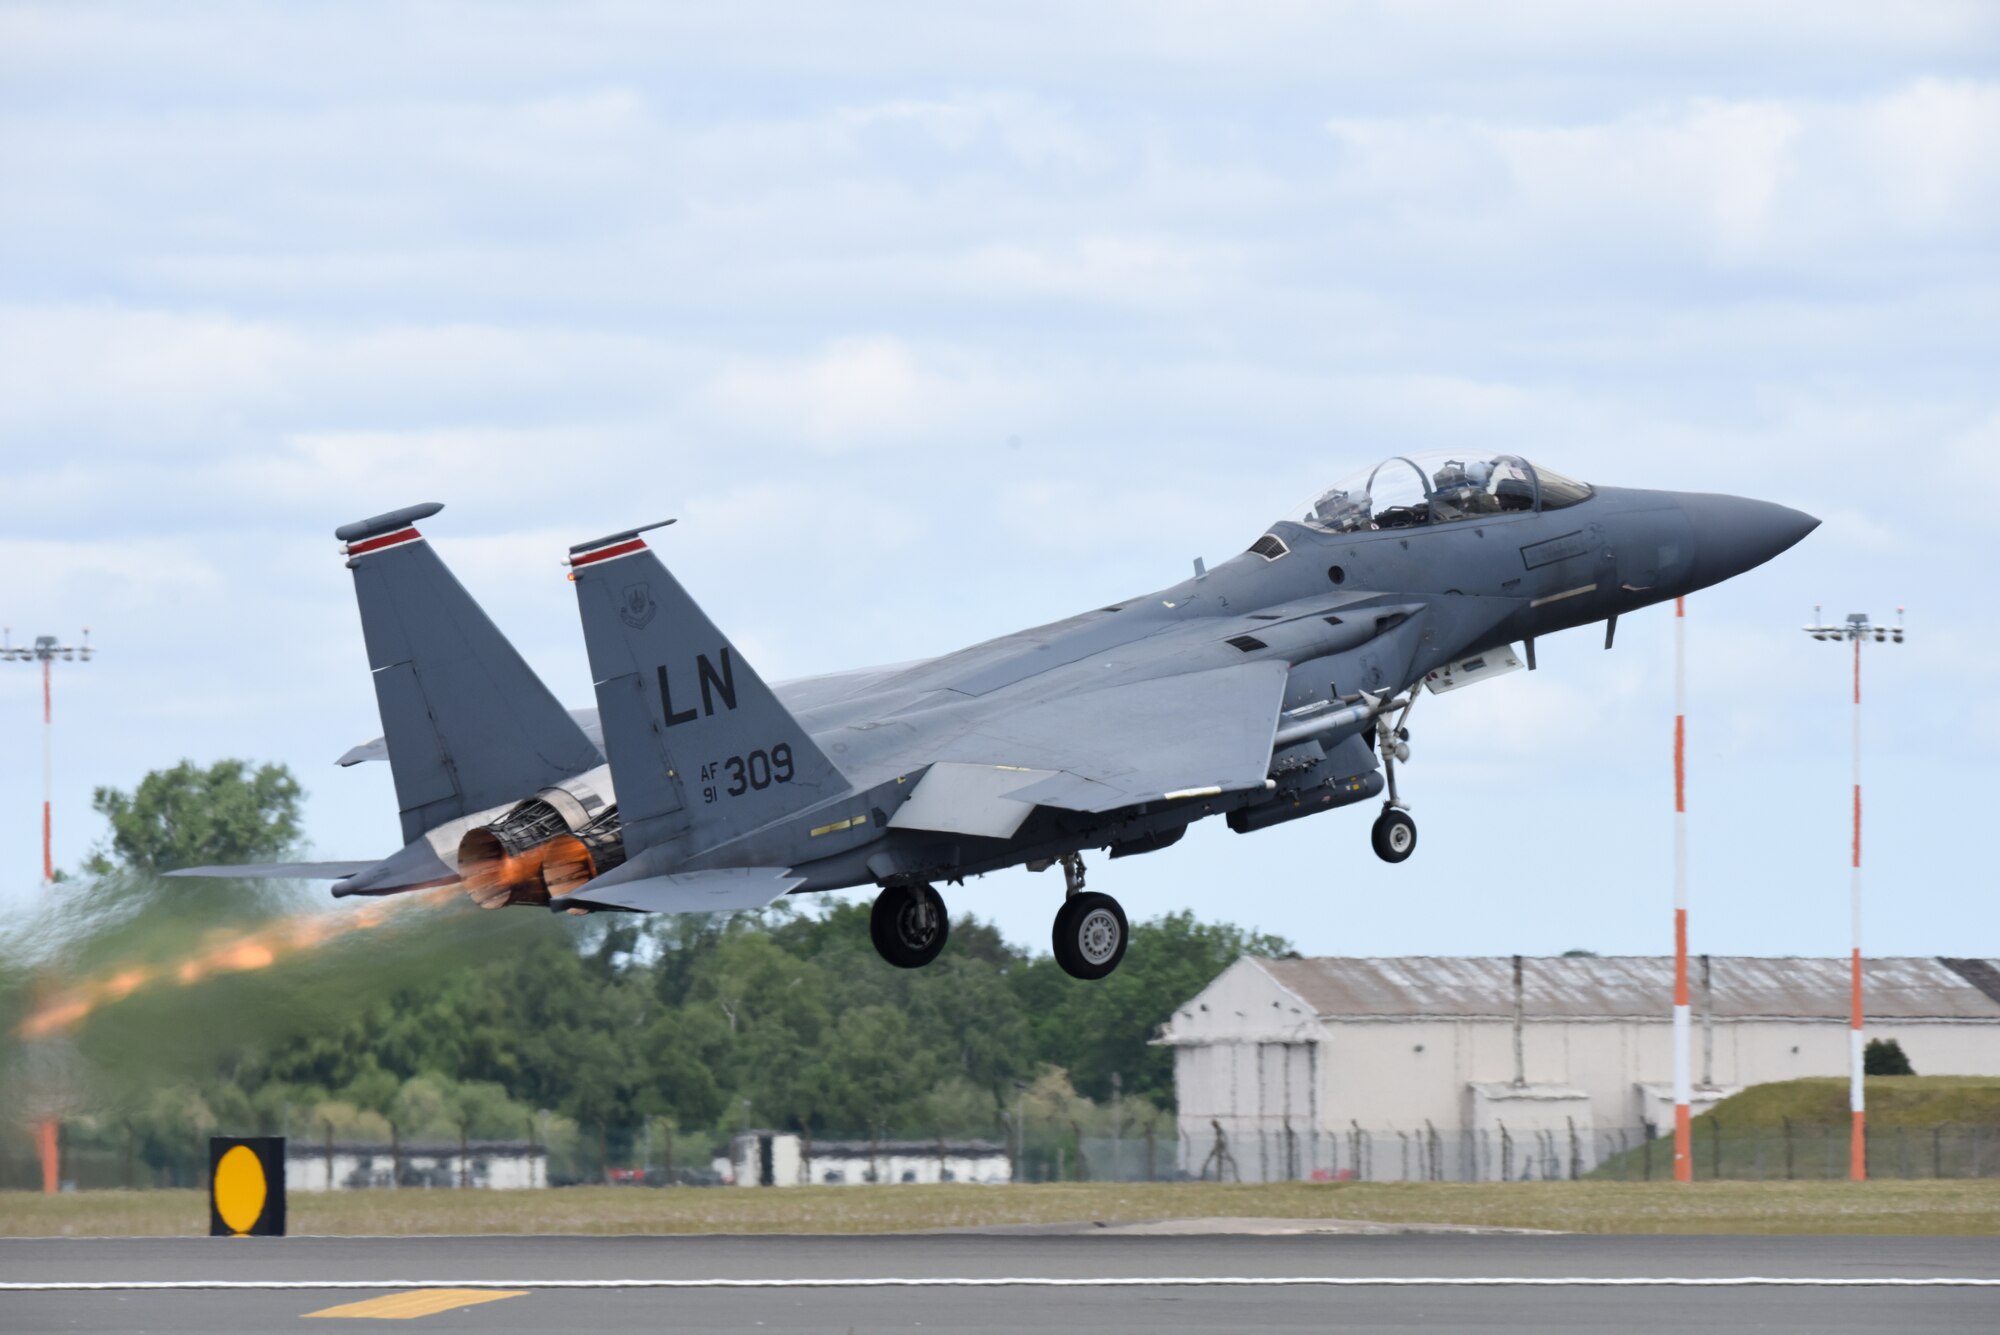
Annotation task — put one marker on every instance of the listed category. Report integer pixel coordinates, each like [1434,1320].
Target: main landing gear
[1090,929]
[1395,833]
[909,925]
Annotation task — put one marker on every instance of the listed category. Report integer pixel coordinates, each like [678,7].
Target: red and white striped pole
[45,650]
[48,779]
[1858,630]
[1683,1080]
[1857,1099]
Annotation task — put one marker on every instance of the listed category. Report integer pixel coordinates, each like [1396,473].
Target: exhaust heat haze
[224,954]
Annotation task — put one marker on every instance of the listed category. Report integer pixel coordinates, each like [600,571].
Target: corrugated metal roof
[1621,986]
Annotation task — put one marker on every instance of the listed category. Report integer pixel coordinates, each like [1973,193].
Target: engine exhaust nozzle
[496,875]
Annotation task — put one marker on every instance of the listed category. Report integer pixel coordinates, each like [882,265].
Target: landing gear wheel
[1394,835]
[1090,935]
[908,925]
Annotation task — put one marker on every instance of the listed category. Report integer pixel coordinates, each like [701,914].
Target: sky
[931,323]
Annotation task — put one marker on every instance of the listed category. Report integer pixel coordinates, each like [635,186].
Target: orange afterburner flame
[495,878]
[566,865]
[242,953]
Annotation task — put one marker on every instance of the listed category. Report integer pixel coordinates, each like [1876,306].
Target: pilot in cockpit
[1342,512]
[1459,489]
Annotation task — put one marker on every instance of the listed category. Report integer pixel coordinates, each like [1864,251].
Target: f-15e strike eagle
[1262,691]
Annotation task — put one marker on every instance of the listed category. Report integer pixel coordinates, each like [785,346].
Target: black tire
[899,931]
[1090,935]
[1394,836]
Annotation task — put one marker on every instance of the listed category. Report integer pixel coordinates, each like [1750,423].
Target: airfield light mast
[46,650]
[1683,1092]
[1857,630]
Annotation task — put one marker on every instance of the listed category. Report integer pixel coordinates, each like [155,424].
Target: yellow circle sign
[240,1188]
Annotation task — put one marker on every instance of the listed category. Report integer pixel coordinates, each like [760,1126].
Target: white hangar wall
[1302,1068]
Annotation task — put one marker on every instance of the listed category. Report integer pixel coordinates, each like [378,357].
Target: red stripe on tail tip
[367,545]
[625,548]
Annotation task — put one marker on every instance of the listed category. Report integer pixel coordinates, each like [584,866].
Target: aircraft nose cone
[1733,534]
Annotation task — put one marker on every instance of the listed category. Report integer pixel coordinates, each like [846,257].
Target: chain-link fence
[1499,1154]
[1424,1154]
[1791,1153]
[1155,1153]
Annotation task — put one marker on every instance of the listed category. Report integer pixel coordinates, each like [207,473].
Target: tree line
[610,1033]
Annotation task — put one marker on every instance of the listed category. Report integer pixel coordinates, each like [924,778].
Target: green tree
[1885,1056]
[188,816]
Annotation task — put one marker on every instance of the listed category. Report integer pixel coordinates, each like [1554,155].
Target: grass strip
[1885,1207]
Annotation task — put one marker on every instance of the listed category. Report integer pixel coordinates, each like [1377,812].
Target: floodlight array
[45,649]
[1858,626]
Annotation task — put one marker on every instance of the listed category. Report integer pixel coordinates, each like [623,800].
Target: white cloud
[1775,181]
[929,325]
[121,572]
[1928,151]
[1140,272]
[863,392]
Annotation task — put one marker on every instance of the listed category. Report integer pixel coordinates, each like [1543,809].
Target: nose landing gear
[909,925]
[1394,835]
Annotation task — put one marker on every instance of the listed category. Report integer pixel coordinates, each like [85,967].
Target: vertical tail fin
[468,724]
[700,748]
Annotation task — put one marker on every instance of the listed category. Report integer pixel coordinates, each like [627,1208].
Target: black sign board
[246,1186]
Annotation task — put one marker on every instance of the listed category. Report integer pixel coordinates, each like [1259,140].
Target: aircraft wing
[1166,738]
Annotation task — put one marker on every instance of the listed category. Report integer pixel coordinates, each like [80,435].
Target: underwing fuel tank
[1300,803]
[1341,776]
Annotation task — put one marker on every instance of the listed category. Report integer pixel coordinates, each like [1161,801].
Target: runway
[1042,1281]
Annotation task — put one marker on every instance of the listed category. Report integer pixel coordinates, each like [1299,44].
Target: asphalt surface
[378,1265]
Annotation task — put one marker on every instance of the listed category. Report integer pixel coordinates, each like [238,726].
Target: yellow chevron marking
[418,1302]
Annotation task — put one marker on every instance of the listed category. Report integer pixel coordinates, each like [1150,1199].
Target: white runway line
[1033,1282]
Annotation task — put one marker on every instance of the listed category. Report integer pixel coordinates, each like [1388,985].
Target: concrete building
[492,1164]
[1430,1067]
[781,1159]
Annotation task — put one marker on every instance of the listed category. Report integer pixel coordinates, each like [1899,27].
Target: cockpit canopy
[1405,492]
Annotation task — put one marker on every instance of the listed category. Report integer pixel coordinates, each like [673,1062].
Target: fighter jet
[1262,691]
[474,740]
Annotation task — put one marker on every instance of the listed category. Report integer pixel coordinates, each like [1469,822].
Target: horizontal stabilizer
[412,867]
[719,891]
[300,871]
[362,752]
